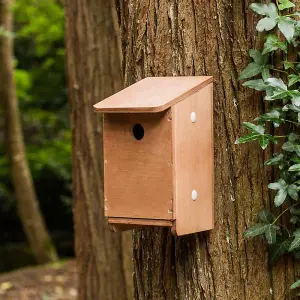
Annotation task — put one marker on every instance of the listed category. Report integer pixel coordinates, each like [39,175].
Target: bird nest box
[158,154]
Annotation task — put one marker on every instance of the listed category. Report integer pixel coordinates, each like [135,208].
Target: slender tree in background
[181,38]
[28,206]
[94,71]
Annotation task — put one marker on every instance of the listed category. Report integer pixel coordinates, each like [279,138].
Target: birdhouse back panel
[138,168]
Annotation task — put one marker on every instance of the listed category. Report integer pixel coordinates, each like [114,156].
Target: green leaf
[295,285]
[288,146]
[265,72]
[287,28]
[296,242]
[263,141]
[255,230]
[247,138]
[274,161]
[273,116]
[273,43]
[293,191]
[251,70]
[266,217]
[265,9]
[288,65]
[254,128]
[281,184]
[276,83]
[266,24]
[280,197]
[293,79]
[278,249]
[258,57]
[270,233]
[257,84]
[295,168]
[285,4]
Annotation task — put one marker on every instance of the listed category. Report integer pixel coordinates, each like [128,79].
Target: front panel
[138,165]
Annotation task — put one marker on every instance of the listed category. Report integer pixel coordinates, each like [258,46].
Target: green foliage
[280,84]
[40,80]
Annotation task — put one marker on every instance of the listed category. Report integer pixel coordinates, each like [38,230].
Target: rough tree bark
[197,37]
[28,206]
[94,70]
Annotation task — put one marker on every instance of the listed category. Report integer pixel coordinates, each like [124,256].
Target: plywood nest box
[158,154]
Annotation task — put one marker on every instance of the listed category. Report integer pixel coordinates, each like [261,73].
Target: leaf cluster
[280,84]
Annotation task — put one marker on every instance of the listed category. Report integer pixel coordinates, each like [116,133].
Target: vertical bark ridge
[94,73]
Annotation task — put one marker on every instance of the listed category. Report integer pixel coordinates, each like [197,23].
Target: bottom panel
[140,222]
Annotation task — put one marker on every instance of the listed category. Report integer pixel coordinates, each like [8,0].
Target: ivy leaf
[281,184]
[293,78]
[276,83]
[247,138]
[285,4]
[287,28]
[255,230]
[293,191]
[272,116]
[266,217]
[263,141]
[288,65]
[295,285]
[274,161]
[258,57]
[257,84]
[273,43]
[265,73]
[295,168]
[280,197]
[296,242]
[278,249]
[295,95]
[270,233]
[254,128]
[282,187]
[251,70]
[269,10]
[266,24]
[288,146]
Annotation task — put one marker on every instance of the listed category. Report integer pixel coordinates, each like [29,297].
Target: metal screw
[194,195]
[193,117]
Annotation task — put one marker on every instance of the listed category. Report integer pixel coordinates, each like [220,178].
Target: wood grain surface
[193,162]
[153,94]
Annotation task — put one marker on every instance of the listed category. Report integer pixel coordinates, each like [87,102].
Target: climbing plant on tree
[280,83]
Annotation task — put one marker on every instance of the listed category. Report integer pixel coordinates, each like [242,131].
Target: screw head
[193,117]
[194,195]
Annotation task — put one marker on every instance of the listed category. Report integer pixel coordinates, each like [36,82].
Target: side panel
[193,162]
[138,173]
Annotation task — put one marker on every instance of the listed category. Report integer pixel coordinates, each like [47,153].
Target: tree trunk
[94,70]
[172,38]
[28,206]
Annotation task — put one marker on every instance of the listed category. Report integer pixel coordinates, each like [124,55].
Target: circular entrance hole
[138,131]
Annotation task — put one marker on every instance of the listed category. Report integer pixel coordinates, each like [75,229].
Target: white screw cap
[193,117]
[194,195]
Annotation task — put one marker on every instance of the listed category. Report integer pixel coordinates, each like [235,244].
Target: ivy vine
[280,83]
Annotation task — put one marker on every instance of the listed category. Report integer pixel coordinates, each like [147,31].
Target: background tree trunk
[28,206]
[94,69]
[171,38]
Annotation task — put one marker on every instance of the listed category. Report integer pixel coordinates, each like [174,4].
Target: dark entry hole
[138,131]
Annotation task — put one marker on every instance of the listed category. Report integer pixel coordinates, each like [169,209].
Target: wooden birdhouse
[158,154]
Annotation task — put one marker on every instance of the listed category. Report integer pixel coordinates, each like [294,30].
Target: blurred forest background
[39,61]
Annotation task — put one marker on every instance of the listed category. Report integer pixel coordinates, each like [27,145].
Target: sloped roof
[153,94]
